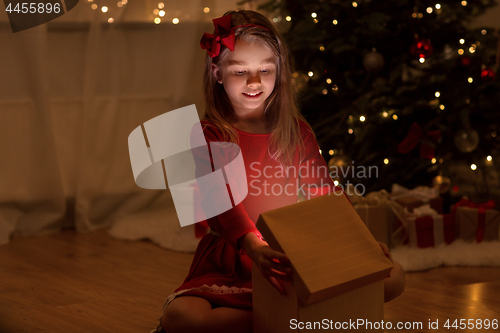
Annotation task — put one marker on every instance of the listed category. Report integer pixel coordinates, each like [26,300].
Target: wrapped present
[476,222]
[379,214]
[411,199]
[426,228]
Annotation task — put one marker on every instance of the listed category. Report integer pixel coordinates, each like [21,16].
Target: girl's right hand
[274,265]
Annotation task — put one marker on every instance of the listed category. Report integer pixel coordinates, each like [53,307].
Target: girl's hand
[385,249]
[274,265]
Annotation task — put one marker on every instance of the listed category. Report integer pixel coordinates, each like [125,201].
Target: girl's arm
[273,265]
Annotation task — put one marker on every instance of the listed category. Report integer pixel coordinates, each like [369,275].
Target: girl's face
[248,75]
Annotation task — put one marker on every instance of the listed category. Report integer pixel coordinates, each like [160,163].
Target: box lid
[330,248]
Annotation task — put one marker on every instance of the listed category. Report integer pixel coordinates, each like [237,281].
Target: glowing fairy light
[386,161]
[104,9]
[335,22]
[473,166]
[161,5]
[433,161]
[437,94]
[329,81]
[157,20]
[362,118]
[175,20]
[206,10]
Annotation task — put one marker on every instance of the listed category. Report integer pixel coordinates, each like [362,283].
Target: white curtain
[71,91]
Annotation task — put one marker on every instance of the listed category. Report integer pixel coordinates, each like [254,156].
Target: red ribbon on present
[427,141]
[224,35]
[481,218]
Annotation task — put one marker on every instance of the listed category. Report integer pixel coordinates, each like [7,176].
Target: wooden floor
[91,283]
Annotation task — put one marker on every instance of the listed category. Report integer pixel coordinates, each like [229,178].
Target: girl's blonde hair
[281,110]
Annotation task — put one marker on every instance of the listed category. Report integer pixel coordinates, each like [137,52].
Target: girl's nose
[254,80]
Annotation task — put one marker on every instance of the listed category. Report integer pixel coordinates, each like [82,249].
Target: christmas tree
[401,86]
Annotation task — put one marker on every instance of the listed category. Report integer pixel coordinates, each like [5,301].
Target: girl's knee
[185,315]
[395,284]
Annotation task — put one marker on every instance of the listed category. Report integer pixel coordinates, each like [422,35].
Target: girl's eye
[239,72]
[264,71]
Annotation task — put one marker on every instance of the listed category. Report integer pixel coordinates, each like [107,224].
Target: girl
[250,101]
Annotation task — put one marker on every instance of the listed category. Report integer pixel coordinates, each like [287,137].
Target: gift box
[411,199]
[476,222]
[430,230]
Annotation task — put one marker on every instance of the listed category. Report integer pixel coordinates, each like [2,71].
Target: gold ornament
[442,183]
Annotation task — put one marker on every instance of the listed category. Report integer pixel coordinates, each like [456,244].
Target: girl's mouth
[253,94]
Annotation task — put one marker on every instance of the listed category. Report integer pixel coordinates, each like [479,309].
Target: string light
[470,80]
[310,74]
[320,152]
[429,10]
[354,4]
[462,41]
[315,21]
[206,10]
[329,81]
[331,152]
[494,134]
[321,48]
[460,51]
[175,20]
[441,107]
[104,9]
[314,15]
[351,117]
[473,166]
[111,20]
[124,2]
[335,87]
[119,4]
[324,91]
[157,20]
[483,32]
[433,161]
[472,49]
[336,182]
[395,116]
[335,22]
[386,161]
[350,131]
[437,94]
[362,118]
[438,6]
[489,158]
[161,5]
[161,13]
[422,60]
[94,6]
[288,18]
[156,11]
[464,3]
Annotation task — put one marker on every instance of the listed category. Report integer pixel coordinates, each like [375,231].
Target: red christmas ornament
[488,74]
[422,48]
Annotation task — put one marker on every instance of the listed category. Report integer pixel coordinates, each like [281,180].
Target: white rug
[458,253]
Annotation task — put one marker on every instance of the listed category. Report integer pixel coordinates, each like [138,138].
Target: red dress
[220,272]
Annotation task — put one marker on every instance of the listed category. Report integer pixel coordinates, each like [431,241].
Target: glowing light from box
[161,5]
[335,22]
[104,9]
[473,166]
[157,20]
[470,80]
[206,10]
[386,161]
[433,161]
[175,20]
[362,118]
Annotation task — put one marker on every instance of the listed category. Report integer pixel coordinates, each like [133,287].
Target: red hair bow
[223,35]
[427,141]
